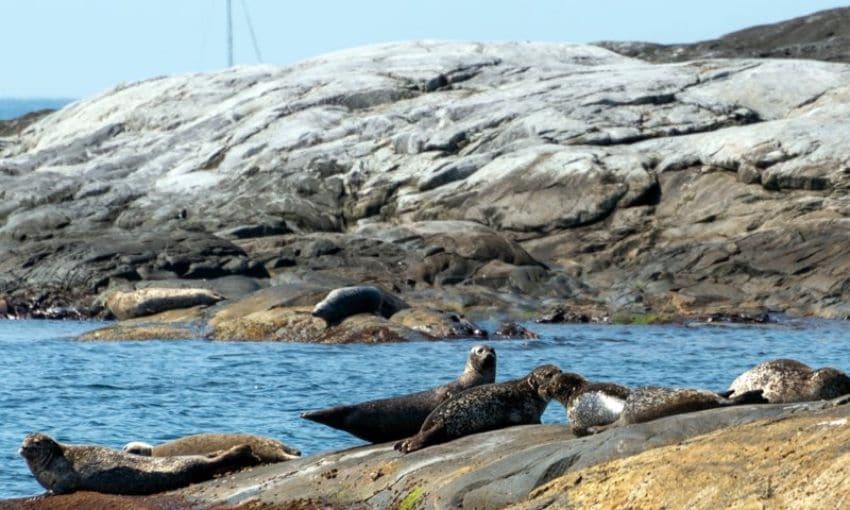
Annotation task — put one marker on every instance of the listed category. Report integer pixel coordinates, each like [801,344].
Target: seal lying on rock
[347,301]
[651,403]
[487,407]
[266,449]
[788,380]
[64,468]
[394,418]
[588,404]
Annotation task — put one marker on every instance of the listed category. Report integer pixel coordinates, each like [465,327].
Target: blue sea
[110,393]
[11,108]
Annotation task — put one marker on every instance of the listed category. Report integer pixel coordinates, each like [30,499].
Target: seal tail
[748,397]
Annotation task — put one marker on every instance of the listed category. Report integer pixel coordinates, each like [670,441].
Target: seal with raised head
[788,380]
[266,449]
[487,407]
[63,468]
[588,404]
[394,418]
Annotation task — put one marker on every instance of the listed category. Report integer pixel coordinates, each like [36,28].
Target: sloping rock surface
[500,176]
[824,35]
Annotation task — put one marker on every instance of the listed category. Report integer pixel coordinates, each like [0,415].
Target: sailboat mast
[229,34]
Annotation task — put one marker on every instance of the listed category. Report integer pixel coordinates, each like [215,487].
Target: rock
[508,330]
[824,35]
[694,474]
[499,468]
[149,301]
[438,323]
[486,174]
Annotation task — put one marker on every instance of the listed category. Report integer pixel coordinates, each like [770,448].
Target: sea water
[110,393]
[11,108]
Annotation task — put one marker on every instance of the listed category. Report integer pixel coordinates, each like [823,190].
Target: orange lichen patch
[799,462]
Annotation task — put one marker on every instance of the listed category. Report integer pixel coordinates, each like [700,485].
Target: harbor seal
[487,407]
[64,468]
[594,407]
[389,419]
[266,449]
[788,380]
[346,301]
[588,404]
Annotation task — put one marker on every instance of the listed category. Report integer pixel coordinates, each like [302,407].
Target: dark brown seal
[64,468]
[347,301]
[487,407]
[389,419]
[588,404]
[266,449]
[788,380]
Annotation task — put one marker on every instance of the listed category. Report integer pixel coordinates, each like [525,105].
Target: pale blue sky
[75,48]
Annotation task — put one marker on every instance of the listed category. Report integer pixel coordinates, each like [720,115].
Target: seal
[64,468]
[588,404]
[788,380]
[346,301]
[487,407]
[266,449]
[390,419]
[594,407]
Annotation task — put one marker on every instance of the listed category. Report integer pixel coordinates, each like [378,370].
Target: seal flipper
[726,394]
[748,397]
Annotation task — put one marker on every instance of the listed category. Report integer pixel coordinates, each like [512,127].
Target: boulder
[149,301]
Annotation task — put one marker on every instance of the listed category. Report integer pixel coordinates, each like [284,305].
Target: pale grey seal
[266,449]
[486,407]
[788,380]
[394,418]
[64,468]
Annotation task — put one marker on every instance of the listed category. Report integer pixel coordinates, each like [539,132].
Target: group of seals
[64,468]
[265,449]
[394,418]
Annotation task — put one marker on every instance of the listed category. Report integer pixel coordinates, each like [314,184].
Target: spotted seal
[347,301]
[64,468]
[594,407]
[588,404]
[395,418]
[487,407]
[266,449]
[788,380]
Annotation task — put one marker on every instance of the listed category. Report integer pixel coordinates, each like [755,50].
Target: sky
[77,48]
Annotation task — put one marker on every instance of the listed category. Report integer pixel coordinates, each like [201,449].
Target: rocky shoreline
[777,450]
[489,180]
